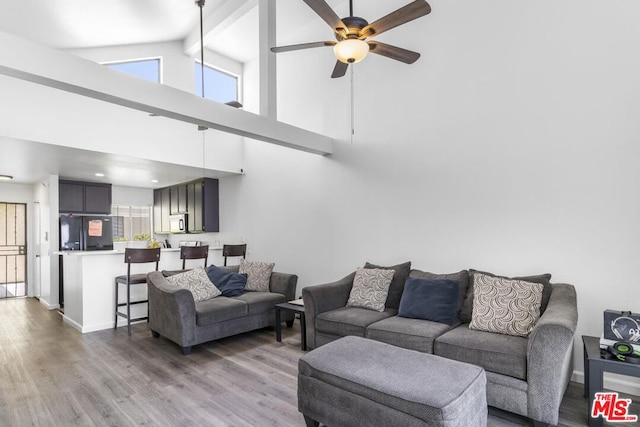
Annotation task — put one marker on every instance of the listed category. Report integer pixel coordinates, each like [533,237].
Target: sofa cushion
[349,320]
[505,306]
[370,288]
[397,284]
[502,354]
[430,299]
[414,334]
[467,307]
[218,310]
[197,282]
[258,274]
[259,302]
[230,284]
[462,277]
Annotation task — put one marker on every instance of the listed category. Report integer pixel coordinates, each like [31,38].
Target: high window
[219,86]
[148,69]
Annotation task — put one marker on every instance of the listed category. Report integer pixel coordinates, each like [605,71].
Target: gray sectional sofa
[526,376]
[174,314]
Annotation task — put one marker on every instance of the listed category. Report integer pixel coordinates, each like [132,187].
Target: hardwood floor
[51,375]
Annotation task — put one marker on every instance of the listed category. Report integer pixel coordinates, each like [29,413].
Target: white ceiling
[65,24]
[72,24]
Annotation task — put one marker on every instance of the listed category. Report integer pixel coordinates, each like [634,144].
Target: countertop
[119,251]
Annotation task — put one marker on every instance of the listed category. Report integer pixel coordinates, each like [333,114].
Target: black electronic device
[621,351]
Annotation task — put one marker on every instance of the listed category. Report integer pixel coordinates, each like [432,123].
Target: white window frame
[237,76]
[150,58]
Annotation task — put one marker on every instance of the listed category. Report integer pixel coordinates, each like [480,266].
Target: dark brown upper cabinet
[161,210]
[84,197]
[178,199]
[198,199]
[203,203]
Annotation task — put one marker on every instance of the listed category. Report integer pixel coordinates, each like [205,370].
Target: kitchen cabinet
[178,199]
[84,197]
[161,210]
[97,198]
[70,196]
[203,206]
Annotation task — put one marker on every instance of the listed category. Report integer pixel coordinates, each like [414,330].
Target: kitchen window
[131,222]
[219,86]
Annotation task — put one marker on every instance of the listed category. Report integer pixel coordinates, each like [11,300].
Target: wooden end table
[296,308]
[595,366]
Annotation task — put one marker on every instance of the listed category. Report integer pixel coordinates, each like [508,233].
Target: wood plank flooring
[51,375]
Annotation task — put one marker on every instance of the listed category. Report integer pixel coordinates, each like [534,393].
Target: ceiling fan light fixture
[351,51]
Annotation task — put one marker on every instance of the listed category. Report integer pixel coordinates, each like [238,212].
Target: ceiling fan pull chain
[353,131]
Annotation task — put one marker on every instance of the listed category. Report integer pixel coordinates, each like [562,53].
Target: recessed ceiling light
[99,174]
[154,181]
[6,177]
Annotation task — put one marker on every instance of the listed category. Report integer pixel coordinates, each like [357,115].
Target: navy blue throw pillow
[430,299]
[230,284]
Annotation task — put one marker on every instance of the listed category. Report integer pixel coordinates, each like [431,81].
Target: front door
[13,250]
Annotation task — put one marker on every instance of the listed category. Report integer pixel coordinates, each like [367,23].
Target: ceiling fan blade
[407,13]
[339,70]
[301,46]
[327,14]
[393,52]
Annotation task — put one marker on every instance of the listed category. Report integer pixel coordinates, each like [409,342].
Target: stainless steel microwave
[178,223]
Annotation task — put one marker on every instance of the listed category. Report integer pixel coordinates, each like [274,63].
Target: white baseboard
[75,325]
[49,306]
[97,327]
[612,382]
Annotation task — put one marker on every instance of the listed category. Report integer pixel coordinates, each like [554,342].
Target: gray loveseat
[526,376]
[174,314]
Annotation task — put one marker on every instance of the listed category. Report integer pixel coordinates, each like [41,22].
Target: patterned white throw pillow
[197,282]
[505,306]
[370,288]
[258,274]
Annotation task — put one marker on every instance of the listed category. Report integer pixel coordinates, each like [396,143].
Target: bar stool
[194,252]
[134,256]
[233,250]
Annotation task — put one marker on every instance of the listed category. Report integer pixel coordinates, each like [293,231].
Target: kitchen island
[89,284]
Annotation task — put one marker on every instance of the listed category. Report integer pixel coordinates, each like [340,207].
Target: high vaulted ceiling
[77,24]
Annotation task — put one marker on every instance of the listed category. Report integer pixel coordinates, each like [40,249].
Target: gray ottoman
[355,381]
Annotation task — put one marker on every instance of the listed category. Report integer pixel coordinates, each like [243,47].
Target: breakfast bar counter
[89,284]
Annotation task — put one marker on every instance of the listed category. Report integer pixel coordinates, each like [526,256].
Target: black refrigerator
[86,233]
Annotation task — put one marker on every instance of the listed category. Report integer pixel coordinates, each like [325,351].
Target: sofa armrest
[284,284]
[550,354]
[172,310]
[322,298]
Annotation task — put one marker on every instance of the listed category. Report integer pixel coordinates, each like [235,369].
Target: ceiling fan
[352,33]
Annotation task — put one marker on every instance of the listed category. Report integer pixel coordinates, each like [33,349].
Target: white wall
[510,146]
[131,196]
